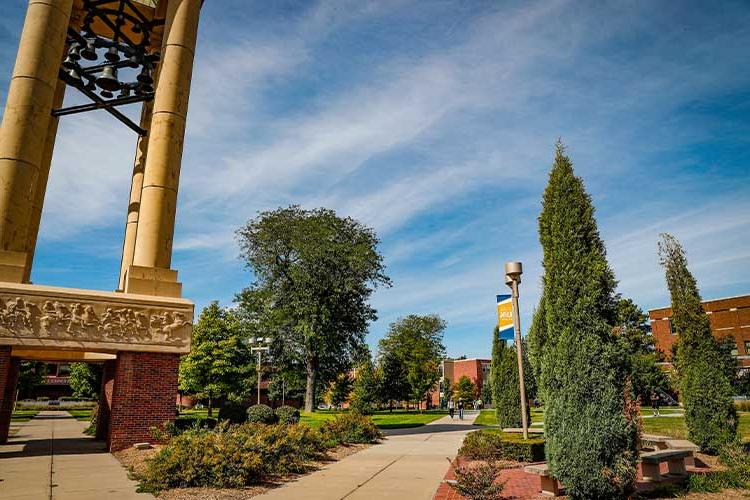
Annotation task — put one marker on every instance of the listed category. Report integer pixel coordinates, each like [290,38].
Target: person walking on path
[461,409]
[655,403]
[451,408]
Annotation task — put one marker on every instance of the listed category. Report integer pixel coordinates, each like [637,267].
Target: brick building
[478,370]
[729,317]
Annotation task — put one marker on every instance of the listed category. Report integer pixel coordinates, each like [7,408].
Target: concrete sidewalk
[409,464]
[49,457]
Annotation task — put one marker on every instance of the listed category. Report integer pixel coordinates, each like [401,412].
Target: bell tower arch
[115,53]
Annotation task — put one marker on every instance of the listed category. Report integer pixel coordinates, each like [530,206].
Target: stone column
[26,123]
[153,249]
[41,184]
[8,378]
[144,396]
[134,204]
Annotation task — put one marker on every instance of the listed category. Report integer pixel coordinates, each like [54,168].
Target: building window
[669,326]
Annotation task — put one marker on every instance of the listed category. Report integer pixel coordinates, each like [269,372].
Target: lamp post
[513,272]
[259,348]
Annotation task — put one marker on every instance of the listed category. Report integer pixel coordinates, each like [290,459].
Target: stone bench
[670,443]
[675,459]
[550,485]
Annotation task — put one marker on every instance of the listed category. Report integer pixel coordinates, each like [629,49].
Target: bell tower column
[25,129]
[150,273]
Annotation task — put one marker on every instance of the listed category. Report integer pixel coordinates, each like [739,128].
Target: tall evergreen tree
[535,341]
[504,377]
[590,444]
[705,387]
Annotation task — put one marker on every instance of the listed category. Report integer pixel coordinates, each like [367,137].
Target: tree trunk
[210,406]
[312,372]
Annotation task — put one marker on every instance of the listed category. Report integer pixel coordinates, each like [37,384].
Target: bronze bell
[74,74]
[74,52]
[89,51]
[106,94]
[145,76]
[69,63]
[108,79]
[112,54]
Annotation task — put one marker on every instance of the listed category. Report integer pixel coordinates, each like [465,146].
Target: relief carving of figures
[74,320]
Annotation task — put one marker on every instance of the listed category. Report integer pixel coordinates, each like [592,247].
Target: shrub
[487,445]
[477,481]
[350,428]
[261,414]
[93,418]
[287,415]
[234,412]
[504,377]
[231,456]
[705,385]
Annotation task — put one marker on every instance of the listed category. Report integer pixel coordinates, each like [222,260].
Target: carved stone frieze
[46,316]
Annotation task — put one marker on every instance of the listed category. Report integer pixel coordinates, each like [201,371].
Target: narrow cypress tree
[705,388]
[504,380]
[590,445]
[535,340]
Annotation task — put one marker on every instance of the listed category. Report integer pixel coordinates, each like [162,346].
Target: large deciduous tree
[589,442]
[414,347]
[705,387]
[314,273]
[218,365]
[84,380]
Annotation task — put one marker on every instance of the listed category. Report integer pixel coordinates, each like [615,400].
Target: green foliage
[486,392]
[231,456]
[504,376]
[705,387]
[735,476]
[30,376]
[477,481]
[314,274]
[535,342]
[287,415]
[233,411]
[486,445]
[83,380]
[339,390]
[465,390]
[217,365]
[590,445]
[261,414]
[367,388]
[350,428]
[412,349]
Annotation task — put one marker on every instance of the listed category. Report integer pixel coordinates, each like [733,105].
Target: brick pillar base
[145,387]
[105,400]
[8,378]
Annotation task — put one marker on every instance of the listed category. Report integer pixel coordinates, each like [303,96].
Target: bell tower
[114,53]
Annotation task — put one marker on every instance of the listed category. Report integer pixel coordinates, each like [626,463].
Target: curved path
[49,458]
[409,464]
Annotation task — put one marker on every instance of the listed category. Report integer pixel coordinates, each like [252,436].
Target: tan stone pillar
[153,249]
[26,122]
[134,204]
[41,183]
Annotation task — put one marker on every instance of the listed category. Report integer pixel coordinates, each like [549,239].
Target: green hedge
[350,428]
[287,415]
[487,445]
[261,414]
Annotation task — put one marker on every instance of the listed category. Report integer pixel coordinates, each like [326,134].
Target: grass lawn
[487,417]
[23,415]
[202,413]
[399,419]
[83,415]
[672,426]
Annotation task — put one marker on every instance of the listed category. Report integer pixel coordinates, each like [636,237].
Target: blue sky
[434,122]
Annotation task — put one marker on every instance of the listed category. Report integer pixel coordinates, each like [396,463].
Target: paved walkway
[50,458]
[409,464]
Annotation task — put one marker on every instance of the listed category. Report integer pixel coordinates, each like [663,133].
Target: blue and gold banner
[505,316]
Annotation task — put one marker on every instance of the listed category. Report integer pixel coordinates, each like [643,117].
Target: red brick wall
[145,385]
[8,378]
[471,368]
[105,399]
[728,317]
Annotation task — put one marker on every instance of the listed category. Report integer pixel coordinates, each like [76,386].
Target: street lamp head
[513,272]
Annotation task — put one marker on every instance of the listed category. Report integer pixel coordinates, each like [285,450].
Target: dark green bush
[287,415]
[185,423]
[231,456]
[261,414]
[234,412]
[350,428]
[488,445]
[93,418]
